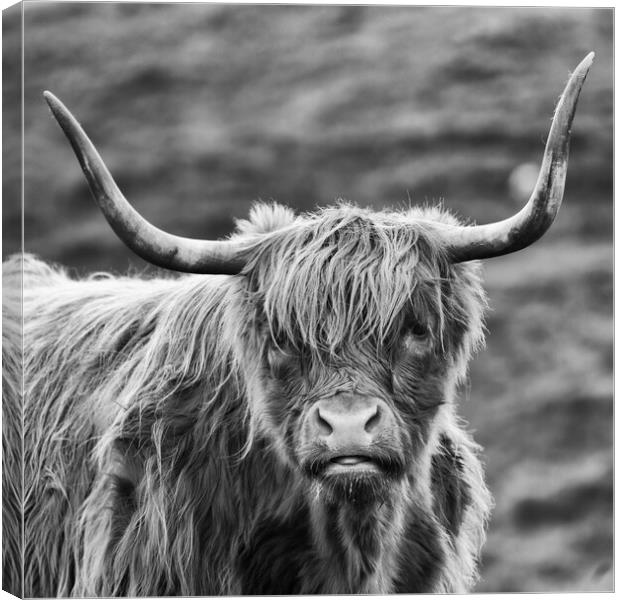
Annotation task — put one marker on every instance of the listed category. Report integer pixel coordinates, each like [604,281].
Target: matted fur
[155,463]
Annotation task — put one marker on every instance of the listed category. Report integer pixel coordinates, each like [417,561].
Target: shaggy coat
[166,450]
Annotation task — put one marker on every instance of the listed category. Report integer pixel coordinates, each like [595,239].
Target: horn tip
[51,100]
[59,110]
[586,63]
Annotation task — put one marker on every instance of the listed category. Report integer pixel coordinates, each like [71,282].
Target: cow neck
[357,545]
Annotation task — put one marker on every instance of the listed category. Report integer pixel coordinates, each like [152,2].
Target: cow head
[361,327]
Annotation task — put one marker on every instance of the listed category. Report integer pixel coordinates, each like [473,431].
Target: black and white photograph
[307,299]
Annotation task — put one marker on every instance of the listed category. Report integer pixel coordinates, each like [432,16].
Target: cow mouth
[357,476]
[353,477]
[352,463]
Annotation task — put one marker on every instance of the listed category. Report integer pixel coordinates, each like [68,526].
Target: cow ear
[451,493]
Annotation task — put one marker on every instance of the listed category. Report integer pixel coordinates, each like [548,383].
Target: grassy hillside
[199,110]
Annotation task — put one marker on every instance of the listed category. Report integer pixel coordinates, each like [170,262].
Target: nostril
[373,421]
[324,427]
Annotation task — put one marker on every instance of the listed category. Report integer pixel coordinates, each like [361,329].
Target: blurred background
[200,110]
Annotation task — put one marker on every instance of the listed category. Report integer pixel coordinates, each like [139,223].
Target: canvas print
[306,300]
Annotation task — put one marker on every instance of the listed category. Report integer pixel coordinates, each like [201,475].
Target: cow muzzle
[351,435]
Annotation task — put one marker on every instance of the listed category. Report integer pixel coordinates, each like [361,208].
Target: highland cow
[281,420]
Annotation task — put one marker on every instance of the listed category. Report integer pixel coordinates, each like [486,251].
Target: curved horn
[533,220]
[154,245]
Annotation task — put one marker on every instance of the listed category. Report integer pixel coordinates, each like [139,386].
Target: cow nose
[343,422]
[334,422]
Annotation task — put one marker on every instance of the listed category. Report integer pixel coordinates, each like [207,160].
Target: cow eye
[418,330]
[416,336]
[280,360]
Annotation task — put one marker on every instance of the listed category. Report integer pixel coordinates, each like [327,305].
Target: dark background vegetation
[199,110]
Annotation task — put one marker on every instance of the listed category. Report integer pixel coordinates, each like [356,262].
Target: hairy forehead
[346,275]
